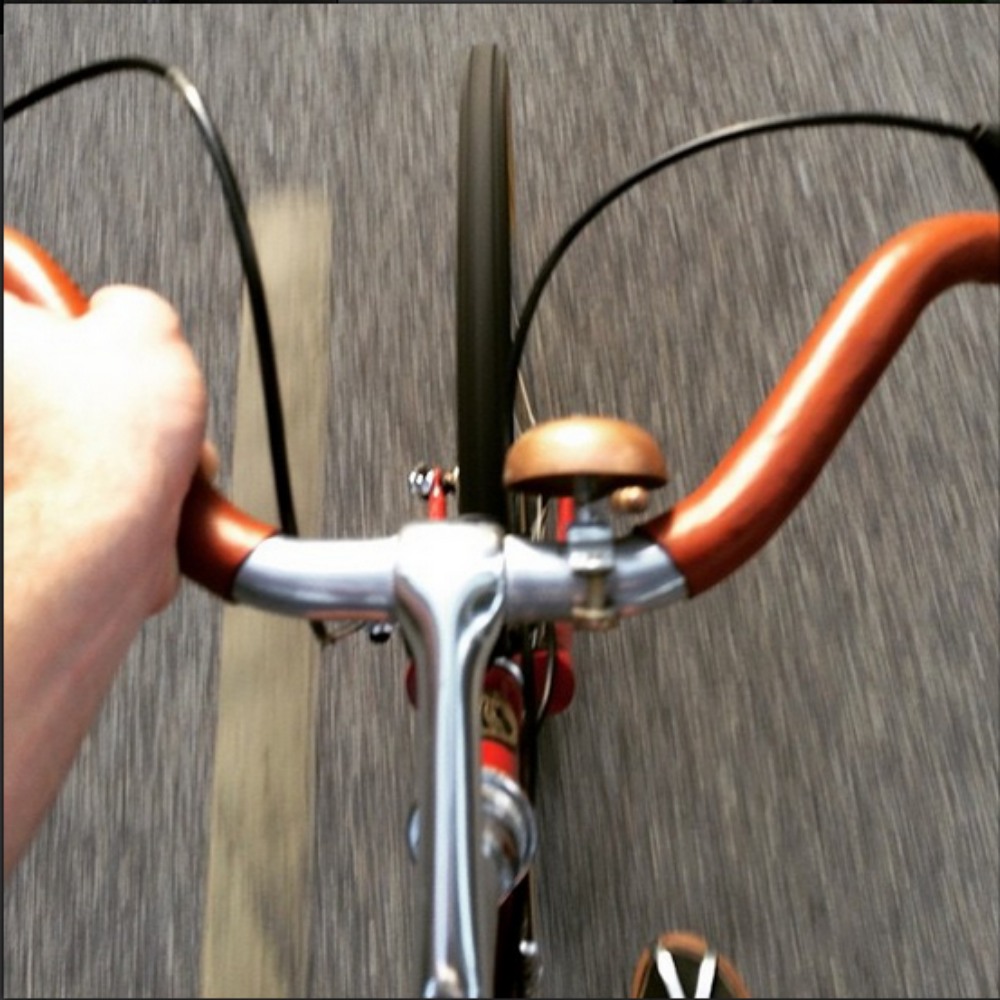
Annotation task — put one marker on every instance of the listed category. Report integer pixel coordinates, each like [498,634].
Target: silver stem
[450,596]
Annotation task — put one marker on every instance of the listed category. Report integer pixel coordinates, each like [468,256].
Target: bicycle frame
[454,584]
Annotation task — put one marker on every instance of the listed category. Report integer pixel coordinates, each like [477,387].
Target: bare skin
[104,420]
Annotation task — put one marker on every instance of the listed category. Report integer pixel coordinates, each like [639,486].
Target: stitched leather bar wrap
[770,468]
[215,537]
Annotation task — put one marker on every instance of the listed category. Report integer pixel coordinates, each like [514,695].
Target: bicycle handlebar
[757,484]
[32,275]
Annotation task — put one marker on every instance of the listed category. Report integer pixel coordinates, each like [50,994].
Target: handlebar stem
[450,594]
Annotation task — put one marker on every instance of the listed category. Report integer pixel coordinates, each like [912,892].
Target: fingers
[128,309]
[16,309]
[113,311]
[14,302]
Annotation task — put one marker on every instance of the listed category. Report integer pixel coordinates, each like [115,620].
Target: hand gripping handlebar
[215,536]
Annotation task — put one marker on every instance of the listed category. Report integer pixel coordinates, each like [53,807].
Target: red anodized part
[437,499]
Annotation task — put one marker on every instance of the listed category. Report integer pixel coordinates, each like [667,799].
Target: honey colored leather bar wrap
[32,275]
[215,537]
[770,468]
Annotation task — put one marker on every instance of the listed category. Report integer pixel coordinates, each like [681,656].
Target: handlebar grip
[771,467]
[33,276]
[215,537]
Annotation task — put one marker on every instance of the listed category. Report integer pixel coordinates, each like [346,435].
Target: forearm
[68,623]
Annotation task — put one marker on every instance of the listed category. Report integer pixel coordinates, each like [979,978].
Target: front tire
[484,285]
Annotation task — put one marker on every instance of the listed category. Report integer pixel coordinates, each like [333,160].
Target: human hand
[104,421]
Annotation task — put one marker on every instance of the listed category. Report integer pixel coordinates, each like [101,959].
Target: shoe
[681,964]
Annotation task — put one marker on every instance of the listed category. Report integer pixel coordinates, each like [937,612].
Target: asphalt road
[802,764]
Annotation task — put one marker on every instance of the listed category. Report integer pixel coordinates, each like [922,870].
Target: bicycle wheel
[484,285]
[484,328]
